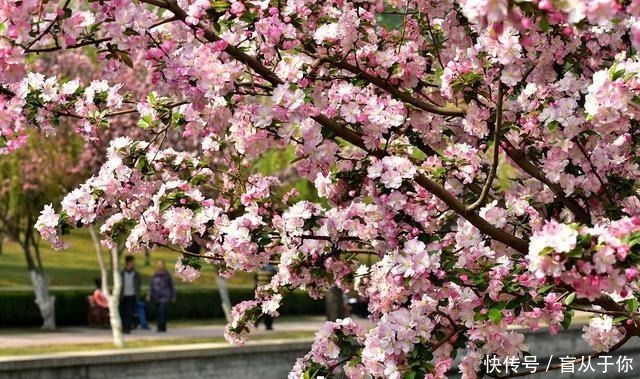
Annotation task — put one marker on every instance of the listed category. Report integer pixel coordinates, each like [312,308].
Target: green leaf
[553,126]
[495,315]
[619,319]
[479,317]
[544,24]
[125,58]
[568,315]
[326,132]
[142,124]
[545,288]
[632,304]
[546,251]
[500,305]
[220,6]
[616,74]
[570,298]
[409,375]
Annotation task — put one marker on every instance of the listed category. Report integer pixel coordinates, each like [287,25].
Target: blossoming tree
[24,191]
[485,152]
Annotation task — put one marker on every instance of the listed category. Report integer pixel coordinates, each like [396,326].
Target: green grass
[32,350]
[78,266]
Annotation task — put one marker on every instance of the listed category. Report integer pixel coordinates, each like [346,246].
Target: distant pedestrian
[98,307]
[263,277]
[129,294]
[98,296]
[161,292]
[141,308]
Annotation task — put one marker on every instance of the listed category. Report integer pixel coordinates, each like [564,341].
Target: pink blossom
[186,272]
[601,334]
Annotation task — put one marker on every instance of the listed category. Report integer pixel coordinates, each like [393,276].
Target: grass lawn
[78,266]
[31,350]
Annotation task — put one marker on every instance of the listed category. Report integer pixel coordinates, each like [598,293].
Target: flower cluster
[601,333]
[333,340]
[392,171]
[591,261]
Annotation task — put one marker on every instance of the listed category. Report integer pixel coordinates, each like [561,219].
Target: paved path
[79,335]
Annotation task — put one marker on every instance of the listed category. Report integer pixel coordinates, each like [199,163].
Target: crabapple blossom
[601,334]
[47,225]
[479,155]
[187,273]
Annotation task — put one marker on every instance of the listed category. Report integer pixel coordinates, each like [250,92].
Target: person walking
[129,294]
[161,292]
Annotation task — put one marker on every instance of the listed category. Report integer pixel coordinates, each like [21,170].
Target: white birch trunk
[114,302]
[45,302]
[113,298]
[224,297]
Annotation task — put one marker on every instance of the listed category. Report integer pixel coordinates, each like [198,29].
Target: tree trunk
[113,298]
[334,307]
[224,297]
[114,301]
[45,302]
[39,280]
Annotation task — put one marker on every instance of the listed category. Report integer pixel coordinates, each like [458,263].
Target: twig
[595,172]
[519,158]
[75,46]
[496,154]
[48,28]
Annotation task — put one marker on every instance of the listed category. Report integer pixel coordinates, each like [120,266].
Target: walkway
[82,335]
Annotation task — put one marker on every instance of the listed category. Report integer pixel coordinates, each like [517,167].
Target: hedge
[17,309]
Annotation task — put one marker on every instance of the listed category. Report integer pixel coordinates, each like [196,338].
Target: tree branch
[75,46]
[595,171]
[518,157]
[496,154]
[395,92]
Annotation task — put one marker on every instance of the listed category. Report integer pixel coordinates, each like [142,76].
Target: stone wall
[267,360]
[259,360]
[569,344]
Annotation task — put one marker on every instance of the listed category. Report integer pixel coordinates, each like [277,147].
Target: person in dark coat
[161,292]
[129,294]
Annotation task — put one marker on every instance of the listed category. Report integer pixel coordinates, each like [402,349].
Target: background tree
[36,175]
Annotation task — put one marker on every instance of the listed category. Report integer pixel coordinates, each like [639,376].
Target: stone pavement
[83,335]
